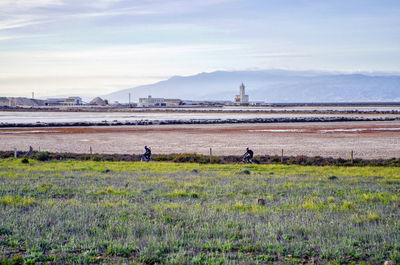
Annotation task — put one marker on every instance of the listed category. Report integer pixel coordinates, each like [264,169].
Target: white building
[242,98]
[151,102]
[64,101]
[24,102]
[158,102]
[173,102]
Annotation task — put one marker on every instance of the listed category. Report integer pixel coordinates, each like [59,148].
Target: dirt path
[367,139]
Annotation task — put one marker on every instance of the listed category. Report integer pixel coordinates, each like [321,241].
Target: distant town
[240,100]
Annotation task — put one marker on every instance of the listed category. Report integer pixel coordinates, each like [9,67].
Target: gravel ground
[369,140]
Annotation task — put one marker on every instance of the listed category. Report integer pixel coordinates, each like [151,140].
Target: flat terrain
[147,213]
[372,139]
[59,117]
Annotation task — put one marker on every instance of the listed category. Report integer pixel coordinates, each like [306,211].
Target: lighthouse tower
[242,98]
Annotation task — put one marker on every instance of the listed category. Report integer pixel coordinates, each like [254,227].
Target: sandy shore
[367,139]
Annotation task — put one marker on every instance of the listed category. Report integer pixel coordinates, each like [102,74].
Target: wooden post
[282,156]
[351,156]
[15,153]
[39,148]
[90,150]
[210,154]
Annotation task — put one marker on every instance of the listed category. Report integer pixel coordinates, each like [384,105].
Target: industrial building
[64,101]
[242,98]
[158,102]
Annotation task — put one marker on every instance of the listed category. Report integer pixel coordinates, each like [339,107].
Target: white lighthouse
[242,98]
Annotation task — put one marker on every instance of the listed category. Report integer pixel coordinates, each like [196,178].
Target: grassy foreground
[171,213]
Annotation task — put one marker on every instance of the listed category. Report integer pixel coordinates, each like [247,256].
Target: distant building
[151,102]
[4,102]
[257,103]
[173,102]
[64,101]
[25,102]
[242,98]
[159,102]
[97,101]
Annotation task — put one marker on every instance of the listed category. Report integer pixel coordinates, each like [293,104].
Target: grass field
[172,213]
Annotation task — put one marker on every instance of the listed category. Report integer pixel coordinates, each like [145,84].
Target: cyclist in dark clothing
[248,156]
[147,155]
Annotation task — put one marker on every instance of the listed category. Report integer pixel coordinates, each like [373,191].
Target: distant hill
[272,86]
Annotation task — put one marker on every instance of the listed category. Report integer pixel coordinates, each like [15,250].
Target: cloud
[281,55]
[7,37]
[122,60]
[107,68]
[20,21]
[8,6]
[116,53]
[117,39]
[22,13]
[105,8]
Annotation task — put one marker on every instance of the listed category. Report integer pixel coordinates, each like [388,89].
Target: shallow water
[326,130]
[65,117]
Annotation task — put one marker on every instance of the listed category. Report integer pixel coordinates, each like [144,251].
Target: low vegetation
[73,211]
[204,159]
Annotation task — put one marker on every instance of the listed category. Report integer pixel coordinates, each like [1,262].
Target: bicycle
[246,159]
[144,158]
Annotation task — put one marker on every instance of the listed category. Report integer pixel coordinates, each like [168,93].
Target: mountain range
[272,86]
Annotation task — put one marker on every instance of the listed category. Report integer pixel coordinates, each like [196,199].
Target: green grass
[171,213]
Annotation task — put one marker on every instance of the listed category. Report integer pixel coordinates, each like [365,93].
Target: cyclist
[147,154]
[248,156]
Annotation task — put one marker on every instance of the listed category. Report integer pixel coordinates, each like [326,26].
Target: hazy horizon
[87,97]
[69,47]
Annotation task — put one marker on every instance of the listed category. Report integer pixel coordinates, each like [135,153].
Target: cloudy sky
[79,47]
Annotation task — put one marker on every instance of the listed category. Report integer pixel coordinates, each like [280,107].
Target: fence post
[15,153]
[351,156]
[90,150]
[282,156]
[210,154]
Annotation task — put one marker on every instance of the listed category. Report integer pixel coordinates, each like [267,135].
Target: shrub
[17,201]
[15,260]
[347,205]
[373,217]
[120,250]
[300,160]
[43,156]
[96,158]
[109,158]
[192,158]
[25,161]
[5,231]
[246,171]
[163,158]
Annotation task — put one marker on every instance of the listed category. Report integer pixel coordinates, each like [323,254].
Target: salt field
[372,133]
[368,139]
[9,117]
[395,108]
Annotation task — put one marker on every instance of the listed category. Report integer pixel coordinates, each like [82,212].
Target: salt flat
[368,139]
[132,115]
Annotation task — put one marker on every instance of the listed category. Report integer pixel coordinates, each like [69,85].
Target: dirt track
[367,139]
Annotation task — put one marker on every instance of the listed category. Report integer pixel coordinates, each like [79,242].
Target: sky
[88,48]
